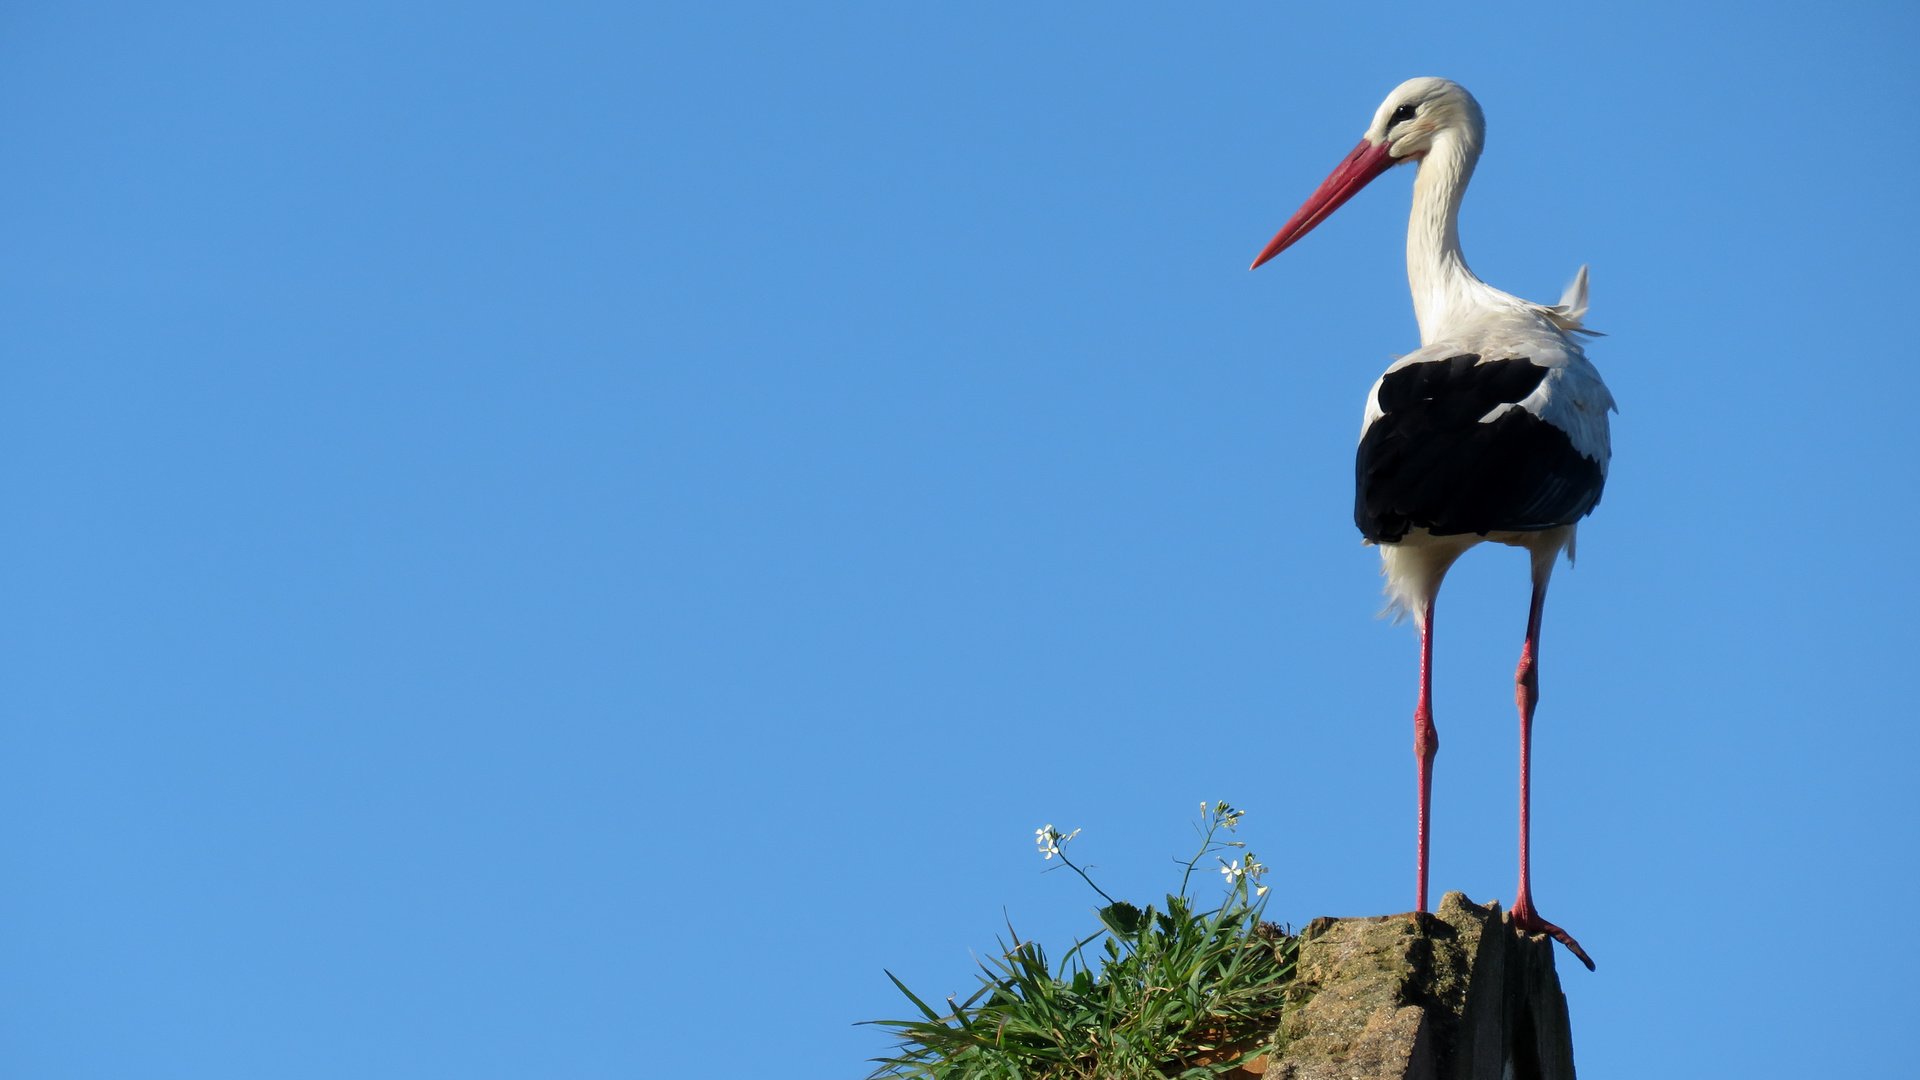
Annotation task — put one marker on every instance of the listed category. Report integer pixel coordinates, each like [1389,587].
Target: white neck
[1444,289]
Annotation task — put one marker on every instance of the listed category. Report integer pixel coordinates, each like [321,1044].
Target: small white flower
[1231,870]
[1043,838]
[1223,813]
[1254,868]
[1048,840]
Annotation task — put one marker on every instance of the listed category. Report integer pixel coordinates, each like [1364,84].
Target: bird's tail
[1572,308]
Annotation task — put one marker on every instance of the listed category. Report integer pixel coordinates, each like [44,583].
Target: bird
[1494,430]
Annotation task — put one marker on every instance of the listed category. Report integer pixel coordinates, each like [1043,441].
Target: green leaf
[1122,918]
[911,996]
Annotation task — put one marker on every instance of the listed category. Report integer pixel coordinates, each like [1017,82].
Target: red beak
[1360,167]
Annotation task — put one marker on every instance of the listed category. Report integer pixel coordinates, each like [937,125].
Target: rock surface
[1458,994]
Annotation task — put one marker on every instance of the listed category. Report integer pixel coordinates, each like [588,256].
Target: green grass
[1156,992]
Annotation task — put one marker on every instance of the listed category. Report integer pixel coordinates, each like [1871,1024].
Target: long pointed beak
[1355,172]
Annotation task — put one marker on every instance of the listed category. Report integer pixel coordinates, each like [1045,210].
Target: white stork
[1495,429]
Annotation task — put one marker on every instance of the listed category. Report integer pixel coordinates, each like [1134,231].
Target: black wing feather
[1428,461]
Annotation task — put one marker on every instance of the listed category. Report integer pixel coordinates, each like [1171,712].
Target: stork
[1494,429]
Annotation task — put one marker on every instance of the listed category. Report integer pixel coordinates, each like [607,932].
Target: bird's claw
[1529,921]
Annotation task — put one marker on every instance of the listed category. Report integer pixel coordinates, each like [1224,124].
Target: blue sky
[561,541]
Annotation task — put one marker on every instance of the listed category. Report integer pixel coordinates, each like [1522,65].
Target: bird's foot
[1529,920]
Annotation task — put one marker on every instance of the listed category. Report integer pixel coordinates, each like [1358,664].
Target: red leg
[1527,695]
[1426,743]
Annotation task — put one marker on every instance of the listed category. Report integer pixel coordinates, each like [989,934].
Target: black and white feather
[1460,442]
[1497,432]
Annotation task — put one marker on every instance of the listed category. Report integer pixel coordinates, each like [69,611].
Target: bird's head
[1420,111]
[1417,115]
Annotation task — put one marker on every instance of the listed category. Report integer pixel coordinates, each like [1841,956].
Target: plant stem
[1083,877]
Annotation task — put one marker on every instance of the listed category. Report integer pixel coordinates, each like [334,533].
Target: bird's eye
[1404,112]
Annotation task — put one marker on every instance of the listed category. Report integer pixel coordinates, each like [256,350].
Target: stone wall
[1457,994]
